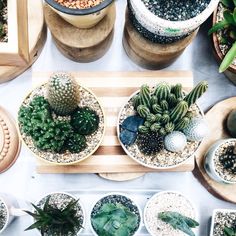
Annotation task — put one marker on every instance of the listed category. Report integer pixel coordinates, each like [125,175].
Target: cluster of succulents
[3,19]
[42,118]
[163,118]
[228,159]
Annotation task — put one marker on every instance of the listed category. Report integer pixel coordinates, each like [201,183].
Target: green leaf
[229,232]
[228,16]
[227,3]
[218,26]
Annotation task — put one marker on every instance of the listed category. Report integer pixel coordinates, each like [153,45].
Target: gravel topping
[3,215]
[79,4]
[176,10]
[167,202]
[93,140]
[219,168]
[3,25]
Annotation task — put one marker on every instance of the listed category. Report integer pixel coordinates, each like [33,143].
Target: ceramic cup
[81,18]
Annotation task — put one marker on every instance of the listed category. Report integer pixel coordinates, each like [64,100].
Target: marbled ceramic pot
[162,27]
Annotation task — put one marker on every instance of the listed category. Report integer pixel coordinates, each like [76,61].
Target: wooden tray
[113,89]
[216,118]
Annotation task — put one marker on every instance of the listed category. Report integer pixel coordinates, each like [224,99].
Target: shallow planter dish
[220,218]
[169,28]
[160,159]
[210,163]
[116,197]
[40,202]
[231,71]
[166,201]
[81,18]
[94,140]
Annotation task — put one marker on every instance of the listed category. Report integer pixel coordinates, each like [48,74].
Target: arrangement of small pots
[84,15]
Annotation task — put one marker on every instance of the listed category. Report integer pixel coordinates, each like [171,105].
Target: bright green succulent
[51,220]
[228,28]
[115,220]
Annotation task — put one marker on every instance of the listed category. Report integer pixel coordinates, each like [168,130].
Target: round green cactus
[162,91]
[136,101]
[157,109]
[182,124]
[177,91]
[154,100]
[85,121]
[143,129]
[172,100]
[155,127]
[164,105]
[76,143]
[151,118]
[165,118]
[169,127]
[143,111]
[179,111]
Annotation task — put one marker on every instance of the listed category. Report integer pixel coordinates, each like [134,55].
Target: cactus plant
[145,97]
[228,159]
[162,91]
[63,93]
[85,121]
[179,111]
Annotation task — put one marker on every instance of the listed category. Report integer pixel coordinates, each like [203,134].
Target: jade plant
[54,221]
[179,221]
[228,28]
[115,220]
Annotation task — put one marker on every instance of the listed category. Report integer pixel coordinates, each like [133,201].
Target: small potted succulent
[169,21]
[220,161]
[58,214]
[224,37]
[83,13]
[115,214]
[223,222]
[61,122]
[170,213]
[162,127]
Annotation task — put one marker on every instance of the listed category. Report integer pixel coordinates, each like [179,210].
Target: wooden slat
[113,90]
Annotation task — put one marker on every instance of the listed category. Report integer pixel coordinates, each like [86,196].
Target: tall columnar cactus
[145,97]
[196,93]
[182,124]
[162,91]
[63,93]
[179,111]
[177,91]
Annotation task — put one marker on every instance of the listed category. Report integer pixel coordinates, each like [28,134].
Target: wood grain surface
[113,90]
[216,118]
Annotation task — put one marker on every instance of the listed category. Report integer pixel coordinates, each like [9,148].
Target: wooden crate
[15,52]
[113,89]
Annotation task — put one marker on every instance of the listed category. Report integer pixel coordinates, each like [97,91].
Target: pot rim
[121,194]
[8,215]
[79,12]
[178,24]
[164,192]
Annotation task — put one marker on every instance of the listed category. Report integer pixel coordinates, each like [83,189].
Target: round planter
[62,159]
[71,196]
[169,28]
[113,201]
[231,71]
[170,206]
[81,18]
[139,157]
[209,162]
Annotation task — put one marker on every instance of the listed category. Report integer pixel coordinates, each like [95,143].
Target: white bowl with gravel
[221,218]
[162,202]
[212,165]
[117,197]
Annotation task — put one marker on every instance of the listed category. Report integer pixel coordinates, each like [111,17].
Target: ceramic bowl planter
[67,211]
[151,132]
[172,204]
[61,122]
[223,220]
[115,214]
[82,18]
[219,161]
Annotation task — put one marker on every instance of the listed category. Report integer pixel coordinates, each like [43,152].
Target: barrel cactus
[228,159]
[63,93]
[85,121]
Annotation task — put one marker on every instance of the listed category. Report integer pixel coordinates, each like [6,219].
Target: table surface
[23,182]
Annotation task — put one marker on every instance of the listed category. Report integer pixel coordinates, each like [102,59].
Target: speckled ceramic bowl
[209,163]
[81,18]
[168,28]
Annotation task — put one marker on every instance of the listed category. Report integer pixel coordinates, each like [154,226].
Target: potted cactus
[170,213]
[115,214]
[220,161]
[58,214]
[161,127]
[224,37]
[61,122]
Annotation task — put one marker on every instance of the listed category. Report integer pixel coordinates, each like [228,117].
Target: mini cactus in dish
[228,159]
[175,141]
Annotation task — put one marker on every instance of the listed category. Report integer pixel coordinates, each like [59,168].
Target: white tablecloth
[22,180]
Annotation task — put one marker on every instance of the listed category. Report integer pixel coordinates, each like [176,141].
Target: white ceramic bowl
[168,28]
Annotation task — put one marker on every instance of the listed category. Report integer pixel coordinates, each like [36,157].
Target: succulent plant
[175,141]
[85,121]
[53,221]
[150,143]
[115,219]
[230,231]
[76,143]
[228,159]
[63,93]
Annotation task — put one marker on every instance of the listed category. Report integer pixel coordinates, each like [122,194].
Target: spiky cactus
[63,93]
[179,111]
[177,90]
[182,124]
[145,97]
[228,159]
[143,111]
[162,91]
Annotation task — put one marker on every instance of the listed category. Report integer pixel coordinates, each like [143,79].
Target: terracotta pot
[231,71]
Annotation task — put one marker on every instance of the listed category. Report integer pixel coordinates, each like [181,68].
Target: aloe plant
[228,26]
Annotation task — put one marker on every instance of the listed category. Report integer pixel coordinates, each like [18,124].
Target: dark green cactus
[76,143]
[228,159]
[143,129]
[158,117]
[154,100]
[172,100]
[164,105]
[157,109]
[179,111]
[155,127]
[177,90]
[145,97]
[162,91]
[165,118]
[196,93]
[151,118]
[169,127]
[147,124]
[182,124]
[143,111]
[136,101]
[85,121]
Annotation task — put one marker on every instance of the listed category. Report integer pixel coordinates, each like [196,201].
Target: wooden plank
[113,90]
